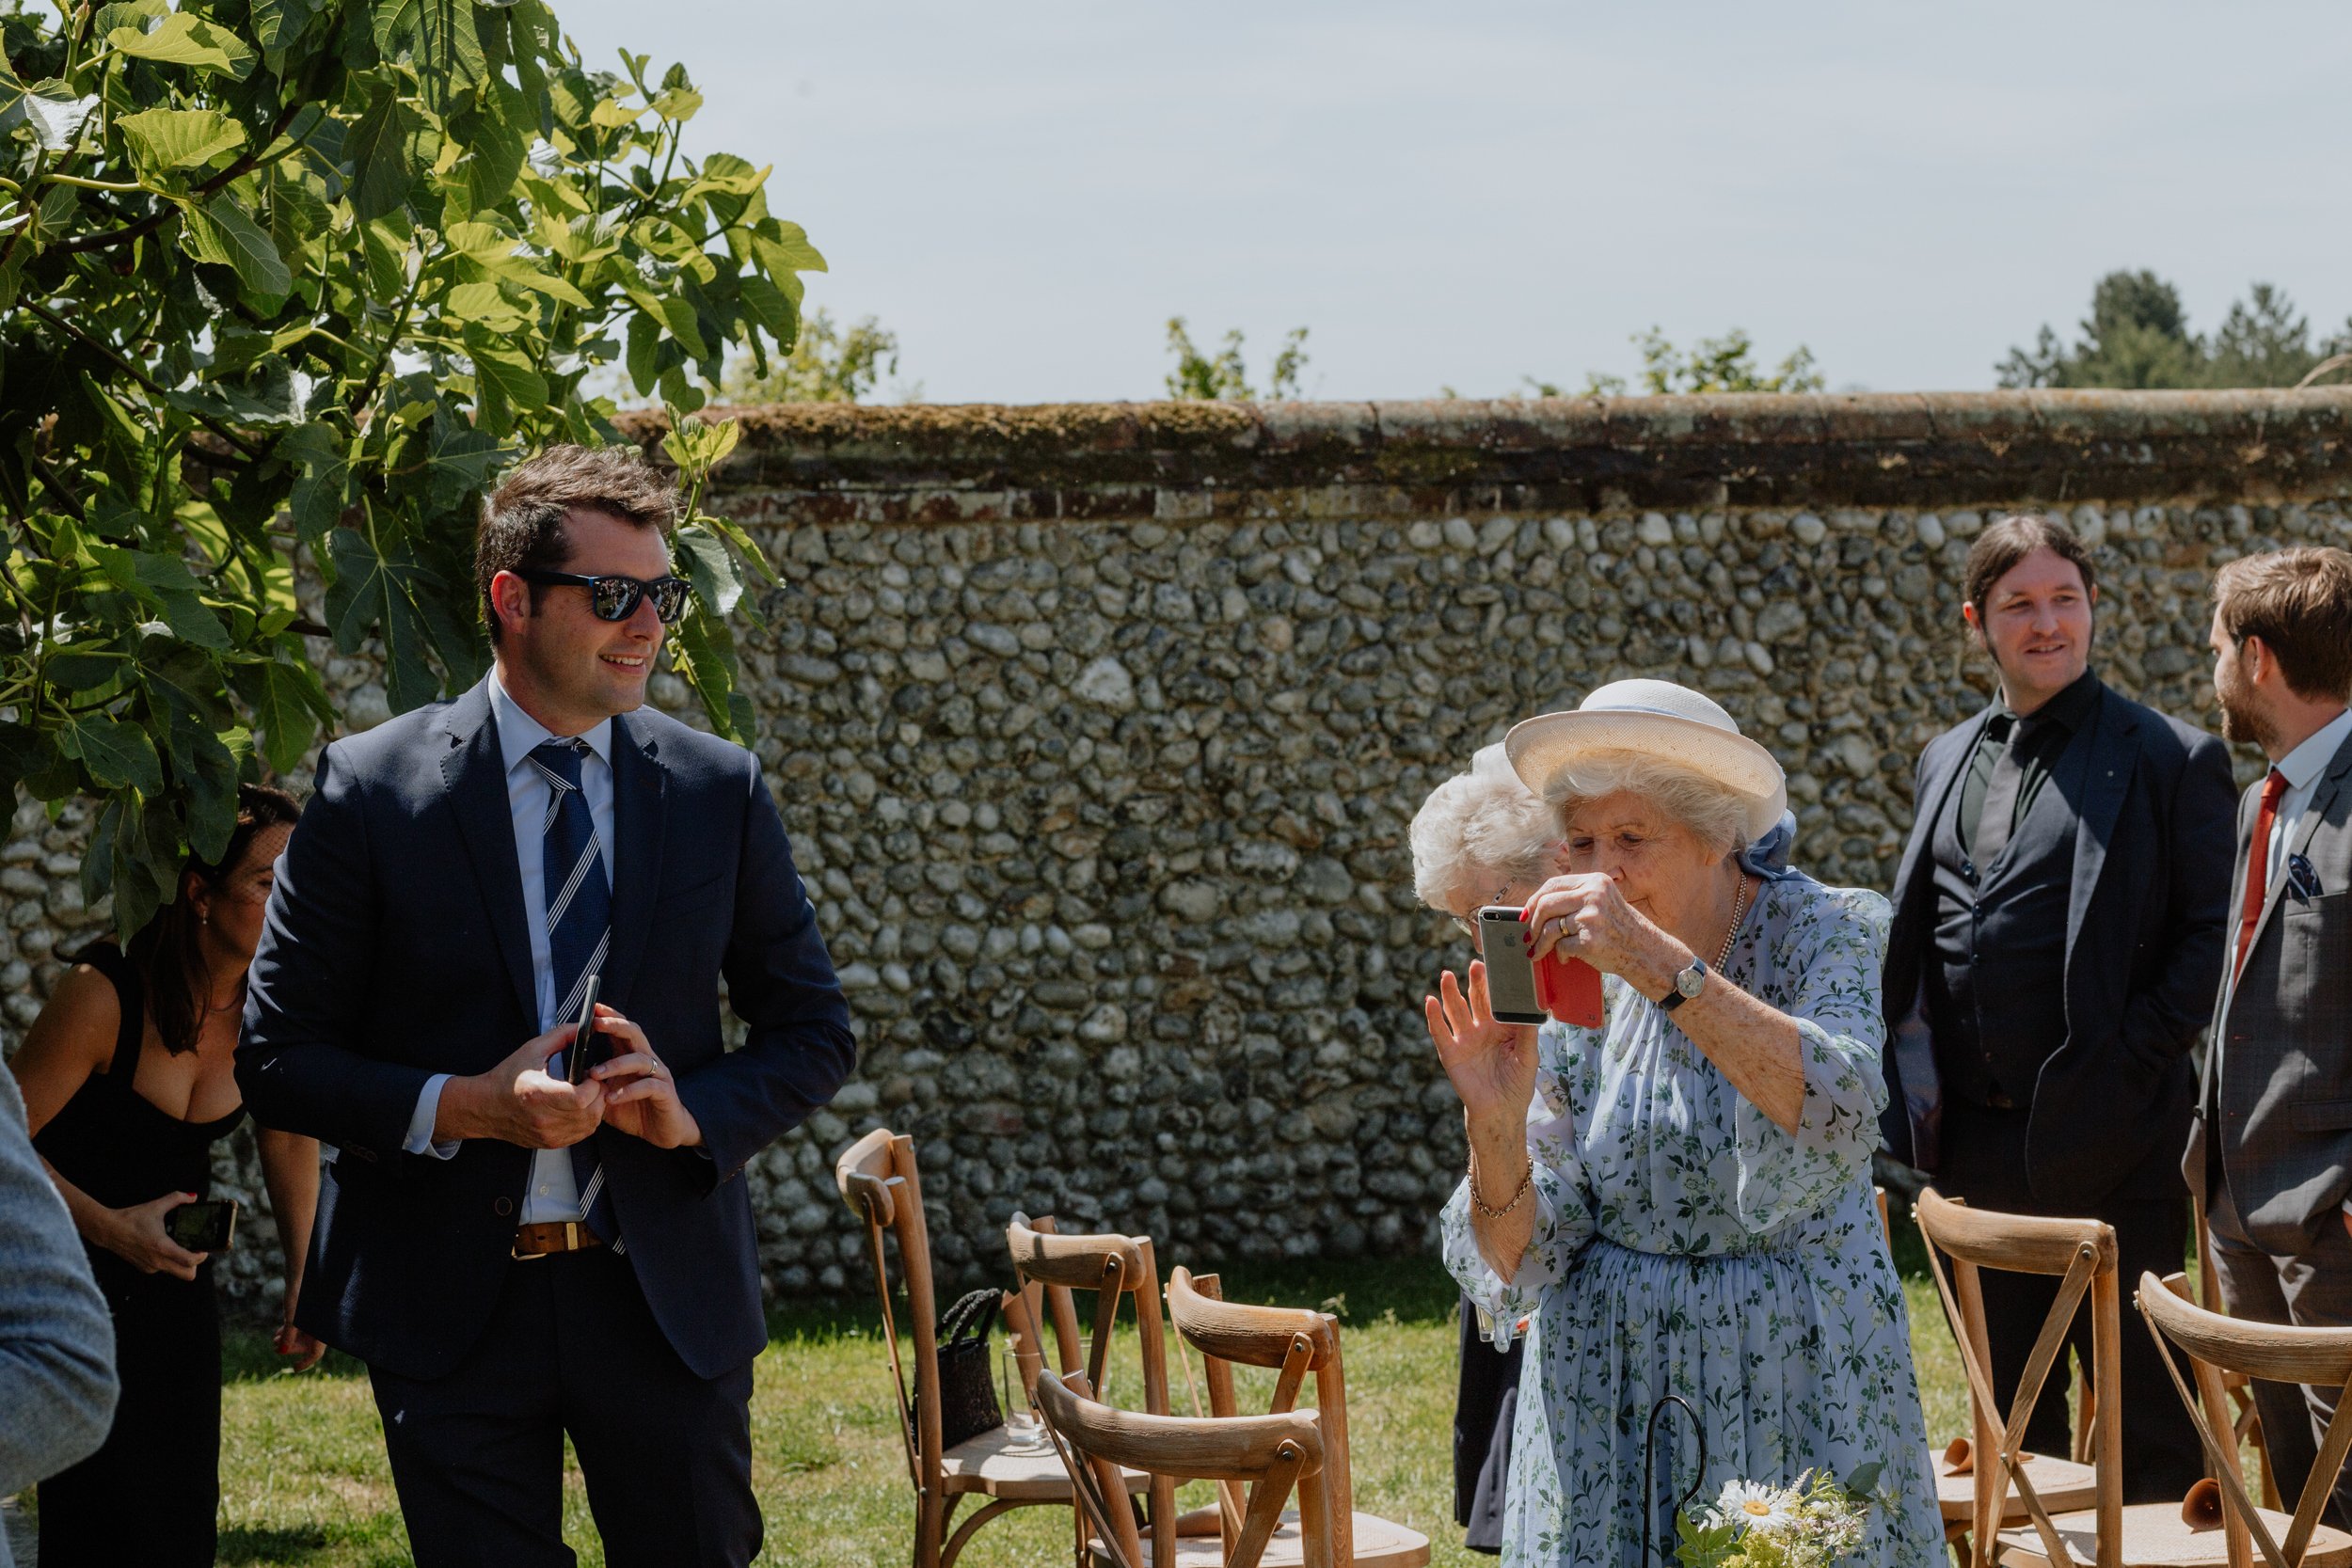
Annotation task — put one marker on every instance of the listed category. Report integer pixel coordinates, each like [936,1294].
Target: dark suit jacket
[396,947]
[2145,931]
[2284,1103]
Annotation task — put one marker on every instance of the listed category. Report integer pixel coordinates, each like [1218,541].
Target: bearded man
[2271,1154]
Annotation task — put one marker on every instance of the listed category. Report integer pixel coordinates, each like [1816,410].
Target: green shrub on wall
[298,277]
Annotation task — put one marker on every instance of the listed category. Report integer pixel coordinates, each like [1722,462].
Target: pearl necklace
[1738,907]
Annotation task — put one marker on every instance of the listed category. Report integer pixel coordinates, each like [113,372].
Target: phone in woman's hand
[207,1225]
[1524,991]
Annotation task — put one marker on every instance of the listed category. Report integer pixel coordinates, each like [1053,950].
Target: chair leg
[930,1529]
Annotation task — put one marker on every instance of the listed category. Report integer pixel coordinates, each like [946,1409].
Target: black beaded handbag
[967,1388]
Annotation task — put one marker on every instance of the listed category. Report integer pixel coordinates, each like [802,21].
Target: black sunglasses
[615,598]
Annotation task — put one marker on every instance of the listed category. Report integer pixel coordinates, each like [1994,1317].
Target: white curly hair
[1478,830]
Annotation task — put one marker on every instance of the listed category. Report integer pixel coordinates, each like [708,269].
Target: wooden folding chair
[2217,1345]
[1051,1269]
[1269,1454]
[1293,1342]
[877,1178]
[1991,1478]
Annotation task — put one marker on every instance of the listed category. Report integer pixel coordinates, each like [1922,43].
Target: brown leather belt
[555,1236]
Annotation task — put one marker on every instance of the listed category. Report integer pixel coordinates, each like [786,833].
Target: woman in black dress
[128,1084]
[1482,838]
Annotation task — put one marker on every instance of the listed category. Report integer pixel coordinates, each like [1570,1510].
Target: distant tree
[2137,336]
[1197,376]
[829,364]
[2263,342]
[1725,364]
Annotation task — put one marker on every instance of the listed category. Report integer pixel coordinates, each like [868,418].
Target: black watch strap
[1674,997]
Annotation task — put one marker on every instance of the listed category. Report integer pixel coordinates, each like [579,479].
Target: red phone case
[1568,989]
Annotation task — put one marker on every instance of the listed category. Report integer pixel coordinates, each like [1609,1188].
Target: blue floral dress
[1686,1244]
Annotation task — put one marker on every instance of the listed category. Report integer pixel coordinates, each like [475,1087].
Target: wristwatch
[1688,983]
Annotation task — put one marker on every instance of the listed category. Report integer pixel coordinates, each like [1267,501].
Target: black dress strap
[111,961]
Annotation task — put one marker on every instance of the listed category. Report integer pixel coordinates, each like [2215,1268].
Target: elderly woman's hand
[1492,1063]
[1585,916]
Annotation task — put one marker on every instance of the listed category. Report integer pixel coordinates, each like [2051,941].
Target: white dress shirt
[553,1194]
[2301,769]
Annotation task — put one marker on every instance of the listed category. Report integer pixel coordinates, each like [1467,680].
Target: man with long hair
[2057,926]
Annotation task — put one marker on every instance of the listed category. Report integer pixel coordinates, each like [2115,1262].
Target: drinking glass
[1020,1422]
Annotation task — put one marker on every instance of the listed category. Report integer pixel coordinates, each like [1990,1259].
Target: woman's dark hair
[167,952]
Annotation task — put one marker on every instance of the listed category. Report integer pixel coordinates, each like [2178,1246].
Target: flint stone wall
[1098,730]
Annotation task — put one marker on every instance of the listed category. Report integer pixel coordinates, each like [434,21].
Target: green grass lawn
[304,1480]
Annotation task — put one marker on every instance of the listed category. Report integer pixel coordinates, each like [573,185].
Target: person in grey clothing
[56,1342]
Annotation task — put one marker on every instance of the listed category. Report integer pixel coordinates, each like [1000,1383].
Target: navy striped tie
[579,931]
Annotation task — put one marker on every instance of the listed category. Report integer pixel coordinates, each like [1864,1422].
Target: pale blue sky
[1469,193]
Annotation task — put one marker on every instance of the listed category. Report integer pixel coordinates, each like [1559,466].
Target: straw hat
[1661,719]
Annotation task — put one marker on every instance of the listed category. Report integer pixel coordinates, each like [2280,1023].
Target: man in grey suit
[2270,1151]
[56,1343]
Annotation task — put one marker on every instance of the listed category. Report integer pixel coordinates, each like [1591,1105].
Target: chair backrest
[1114,1268]
[1269,1454]
[1293,1341]
[2280,1353]
[877,1178]
[2082,1253]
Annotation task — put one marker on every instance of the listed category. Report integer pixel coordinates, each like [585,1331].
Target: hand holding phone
[575,1062]
[207,1225]
[1526,992]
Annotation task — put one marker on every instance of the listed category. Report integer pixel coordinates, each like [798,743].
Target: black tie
[2000,812]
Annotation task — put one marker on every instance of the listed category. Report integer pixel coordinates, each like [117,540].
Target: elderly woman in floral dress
[1678,1201]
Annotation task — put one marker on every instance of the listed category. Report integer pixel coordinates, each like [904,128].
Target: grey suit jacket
[2277,1121]
[56,1341]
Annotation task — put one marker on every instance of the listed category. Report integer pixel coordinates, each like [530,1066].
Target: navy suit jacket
[2145,931]
[396,947]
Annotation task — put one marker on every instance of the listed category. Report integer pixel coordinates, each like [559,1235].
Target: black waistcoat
[1996,979]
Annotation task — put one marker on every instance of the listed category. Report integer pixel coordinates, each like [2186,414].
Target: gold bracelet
[1527,1184]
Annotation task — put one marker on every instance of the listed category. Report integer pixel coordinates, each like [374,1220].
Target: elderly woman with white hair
[1483,837]
[1677,1201]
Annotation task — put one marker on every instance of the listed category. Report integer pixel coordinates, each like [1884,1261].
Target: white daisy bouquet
[1811,1524]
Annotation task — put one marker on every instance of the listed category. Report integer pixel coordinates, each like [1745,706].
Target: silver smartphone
[1510,975]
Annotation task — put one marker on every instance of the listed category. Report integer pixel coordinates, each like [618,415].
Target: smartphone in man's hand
[584,1035]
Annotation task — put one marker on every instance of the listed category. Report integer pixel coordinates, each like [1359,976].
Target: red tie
[2258,868]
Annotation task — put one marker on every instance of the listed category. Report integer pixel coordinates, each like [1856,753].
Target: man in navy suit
[518,1256]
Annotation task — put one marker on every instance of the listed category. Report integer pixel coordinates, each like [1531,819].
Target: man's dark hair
[2008,540]
[522,522]
[2299,603]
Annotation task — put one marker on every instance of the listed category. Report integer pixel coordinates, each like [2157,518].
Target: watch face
[1691,980]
